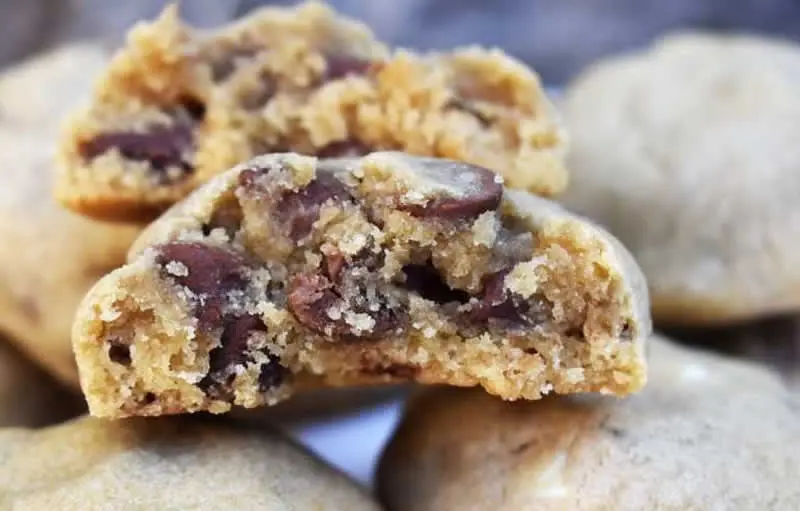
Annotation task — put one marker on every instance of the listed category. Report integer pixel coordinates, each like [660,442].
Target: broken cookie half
[178,105]
[289,272]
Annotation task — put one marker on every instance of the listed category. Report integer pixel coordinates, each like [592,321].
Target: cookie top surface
[706,433]
[90,464]
[49,256]
[687,151]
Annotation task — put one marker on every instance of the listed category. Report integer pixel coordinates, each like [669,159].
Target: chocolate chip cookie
[179,105]
[28,396]
[92,465]
[706,433]
[289,271]
[49,257]
[688,152]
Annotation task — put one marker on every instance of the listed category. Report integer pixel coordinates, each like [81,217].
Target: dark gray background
[557,37]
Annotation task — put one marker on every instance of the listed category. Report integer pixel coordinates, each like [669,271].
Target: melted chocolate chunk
[426,281]
[162,147]
[299,210]
[211,272]
[499,308]
[485,194]
[272,374]
[310,297]
[319,305]
[234,351]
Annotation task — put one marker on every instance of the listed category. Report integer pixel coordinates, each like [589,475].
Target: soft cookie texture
[49,257]
[707,433]
[28,396]
[92,465]
[178,105]
[688,152]
[289,271]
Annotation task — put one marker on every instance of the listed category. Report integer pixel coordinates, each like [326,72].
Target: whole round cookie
[90,464]
[688,153]
[28,396]
[48,257]
[706,433]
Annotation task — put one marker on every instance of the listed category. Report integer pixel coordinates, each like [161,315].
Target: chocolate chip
[162,147]
[194,107]
[312,298]
[339,66]
[149,398]
[118,352]
[427,282]
[298,211]
[500,308]
[480,191]
[211,272]
[344,149]
[233,349]
[272,374]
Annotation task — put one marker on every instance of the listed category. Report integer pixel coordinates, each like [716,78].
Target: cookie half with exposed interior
[289,271]
[179,105]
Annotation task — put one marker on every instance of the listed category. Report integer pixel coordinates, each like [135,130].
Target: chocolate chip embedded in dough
[163,147]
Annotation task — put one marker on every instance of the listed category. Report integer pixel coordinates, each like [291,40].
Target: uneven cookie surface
[179,105]
[289,271]
[49,257]
[701,184]
[92,465]
[706,433]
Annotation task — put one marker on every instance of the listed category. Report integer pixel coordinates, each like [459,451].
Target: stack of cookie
[285,206]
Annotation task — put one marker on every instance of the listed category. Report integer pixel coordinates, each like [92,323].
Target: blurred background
[557,37]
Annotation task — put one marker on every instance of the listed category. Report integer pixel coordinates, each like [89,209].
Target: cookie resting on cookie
[178,105]
[708,433]
[289,271]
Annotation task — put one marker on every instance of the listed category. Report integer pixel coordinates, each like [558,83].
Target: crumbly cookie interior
[394,268]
